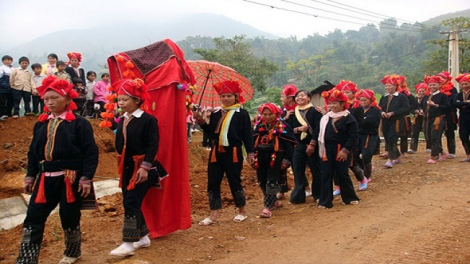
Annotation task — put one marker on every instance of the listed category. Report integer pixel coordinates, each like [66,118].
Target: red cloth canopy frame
[162,67]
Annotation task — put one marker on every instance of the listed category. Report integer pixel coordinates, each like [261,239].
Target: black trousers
[38,104]
[17,96]
[225,165]
[464,132]
[37,214]
[6,104]
[268,177]
[434,135]
[299,160]
[391,138]
[418,127]
[340,169]
[134,221]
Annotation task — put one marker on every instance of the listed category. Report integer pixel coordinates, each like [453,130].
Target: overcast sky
[24,20]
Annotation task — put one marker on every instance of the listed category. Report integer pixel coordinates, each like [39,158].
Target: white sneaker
[428,150]
[122,251]
[4,117]
[452,156]
[141,244]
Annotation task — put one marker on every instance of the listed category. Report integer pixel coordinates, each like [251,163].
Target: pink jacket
[100,90]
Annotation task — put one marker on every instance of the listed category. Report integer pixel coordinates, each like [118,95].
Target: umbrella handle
[204,87]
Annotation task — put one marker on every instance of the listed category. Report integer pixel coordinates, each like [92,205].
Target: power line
[336,13]
[385,16]
[317,16]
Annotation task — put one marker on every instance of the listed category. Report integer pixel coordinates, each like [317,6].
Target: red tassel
[213,155]
[69,116]
[41,195]
[137,162]
[273,159]
[43,117]
[235,156]
[69,178]
[338,150]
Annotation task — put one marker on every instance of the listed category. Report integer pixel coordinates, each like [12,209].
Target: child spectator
[49,68]
[61,73]
[100,90]
[190,122]
[38,77]
[6,97]
[90,83]
[81,99]
[21,82]
[74,68]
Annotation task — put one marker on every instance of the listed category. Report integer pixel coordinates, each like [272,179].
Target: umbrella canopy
[207,73]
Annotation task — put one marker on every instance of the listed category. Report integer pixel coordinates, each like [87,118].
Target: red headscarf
[463,77]
[134,88]
[289,90]
[232,87]
[335,95]
[346,85]
[422,86]
[369,94]
[63,88]
[272,107]
[75,55]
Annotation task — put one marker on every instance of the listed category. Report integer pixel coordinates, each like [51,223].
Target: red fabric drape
[168,209]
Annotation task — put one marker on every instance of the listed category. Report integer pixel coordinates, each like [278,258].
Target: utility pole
[453,61]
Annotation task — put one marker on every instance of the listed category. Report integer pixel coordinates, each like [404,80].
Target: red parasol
[208,73]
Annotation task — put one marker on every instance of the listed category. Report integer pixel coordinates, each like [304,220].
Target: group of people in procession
[20,85]
[343,135]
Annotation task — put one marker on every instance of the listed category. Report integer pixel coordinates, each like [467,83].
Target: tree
[237,54]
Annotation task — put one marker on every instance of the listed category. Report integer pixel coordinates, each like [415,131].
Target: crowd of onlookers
[18,85]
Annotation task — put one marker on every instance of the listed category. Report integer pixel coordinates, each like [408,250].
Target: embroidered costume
[274,145]
[62,155]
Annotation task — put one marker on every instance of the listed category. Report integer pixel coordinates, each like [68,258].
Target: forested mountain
[363,56]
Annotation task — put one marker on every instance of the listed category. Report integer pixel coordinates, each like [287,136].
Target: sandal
[265,213]
[207,221]
[240,218]
[277,204]
[68,260]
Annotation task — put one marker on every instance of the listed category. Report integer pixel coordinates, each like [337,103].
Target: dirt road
[413,213]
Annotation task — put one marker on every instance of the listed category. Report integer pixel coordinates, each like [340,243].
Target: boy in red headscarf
[230,128]
[274,146]
[435,105]
[337,138]
[64,154]
[137,141]
[462,102]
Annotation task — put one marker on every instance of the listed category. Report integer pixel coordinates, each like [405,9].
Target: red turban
[391,79]
[463,77]
[289,90]
[369,94]
[75,55]
[63,88]
[134,88]
[445,75]
[335,95]
[60,86]
[346,86]
[232,87]
[422,86]
[434,79]
[272,107]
